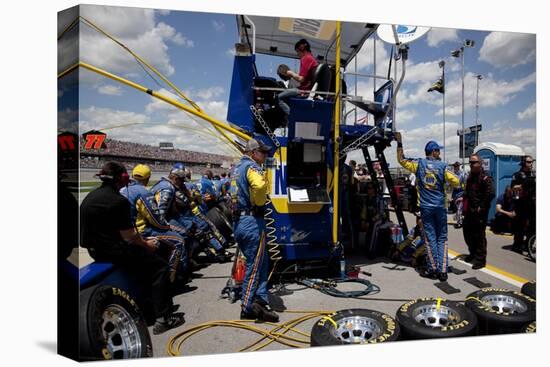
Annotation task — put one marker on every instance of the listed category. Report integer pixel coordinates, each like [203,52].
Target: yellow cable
[285,326]
[175,343]
[69,27]
[331,320]
[158,73]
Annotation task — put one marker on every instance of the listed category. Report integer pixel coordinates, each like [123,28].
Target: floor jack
[232,289]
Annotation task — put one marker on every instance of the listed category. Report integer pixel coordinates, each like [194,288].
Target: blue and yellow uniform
[431,175]
[165,194]
[149,223]
[249,229]
[208,190]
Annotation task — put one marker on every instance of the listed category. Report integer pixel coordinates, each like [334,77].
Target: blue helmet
[178,170]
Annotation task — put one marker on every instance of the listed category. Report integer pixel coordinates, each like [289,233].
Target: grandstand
[130,154]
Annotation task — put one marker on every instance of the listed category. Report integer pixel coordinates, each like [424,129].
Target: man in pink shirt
[304,77]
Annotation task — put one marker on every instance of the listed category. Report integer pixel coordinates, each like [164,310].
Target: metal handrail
[253,34]
[350,96]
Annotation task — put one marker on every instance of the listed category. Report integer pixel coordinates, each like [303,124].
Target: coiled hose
[273,248]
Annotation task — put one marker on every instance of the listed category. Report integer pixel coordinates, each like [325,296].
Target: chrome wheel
[357,329]
[121,334]
[504,303]
[436,317]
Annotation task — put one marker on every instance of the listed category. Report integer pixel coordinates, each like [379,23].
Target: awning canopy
[277,36]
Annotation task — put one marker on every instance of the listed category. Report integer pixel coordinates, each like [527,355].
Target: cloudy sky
[194,50]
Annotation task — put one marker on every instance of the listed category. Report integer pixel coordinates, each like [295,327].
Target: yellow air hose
[273,247]
[276,334]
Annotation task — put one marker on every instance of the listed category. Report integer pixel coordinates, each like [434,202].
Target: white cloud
[218,26]
[67,120]
[134,27]
[404,116]
[525,138]
[440,35]
[103,118]
[168,32]
[156,105]
[184,131]
[231,52]
[528,114]
[492,93]
[109,89]
[366,55]
[508,49]
[210,93]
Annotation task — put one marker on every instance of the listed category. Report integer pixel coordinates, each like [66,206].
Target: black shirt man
[110,236]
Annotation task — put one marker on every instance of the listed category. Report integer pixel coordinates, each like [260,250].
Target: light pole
[460,53]
[442,66]
[478,77]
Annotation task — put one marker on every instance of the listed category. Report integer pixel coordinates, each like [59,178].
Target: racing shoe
[223,257]
[260,313]
[478,265]
[168,322]
[424,273]
[442,277]
[469,258]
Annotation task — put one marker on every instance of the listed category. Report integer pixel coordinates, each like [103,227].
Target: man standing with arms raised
[431,175]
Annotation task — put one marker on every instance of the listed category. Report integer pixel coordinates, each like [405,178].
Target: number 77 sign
[94,140]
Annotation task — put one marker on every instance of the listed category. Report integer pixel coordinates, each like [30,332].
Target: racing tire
[501,311]
[424,318]
[111,325]
[530,289]
[354,326]
[532,248]
[530,328]
[221,222]
[226,210]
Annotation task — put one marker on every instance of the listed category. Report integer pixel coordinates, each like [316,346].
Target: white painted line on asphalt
[493,271]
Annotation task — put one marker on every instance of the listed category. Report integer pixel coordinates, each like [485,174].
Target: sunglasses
[474,162]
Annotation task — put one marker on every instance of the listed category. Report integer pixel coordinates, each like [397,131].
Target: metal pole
[477,108]
[444,158]
[336,170]
[374,63]
[356,55]
[463,151]
[394,108]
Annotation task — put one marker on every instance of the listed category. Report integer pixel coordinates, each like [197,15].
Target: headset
[115,173]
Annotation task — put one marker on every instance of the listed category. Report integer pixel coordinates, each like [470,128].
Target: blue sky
[194,50]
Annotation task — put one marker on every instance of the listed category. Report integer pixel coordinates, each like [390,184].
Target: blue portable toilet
[500,161]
